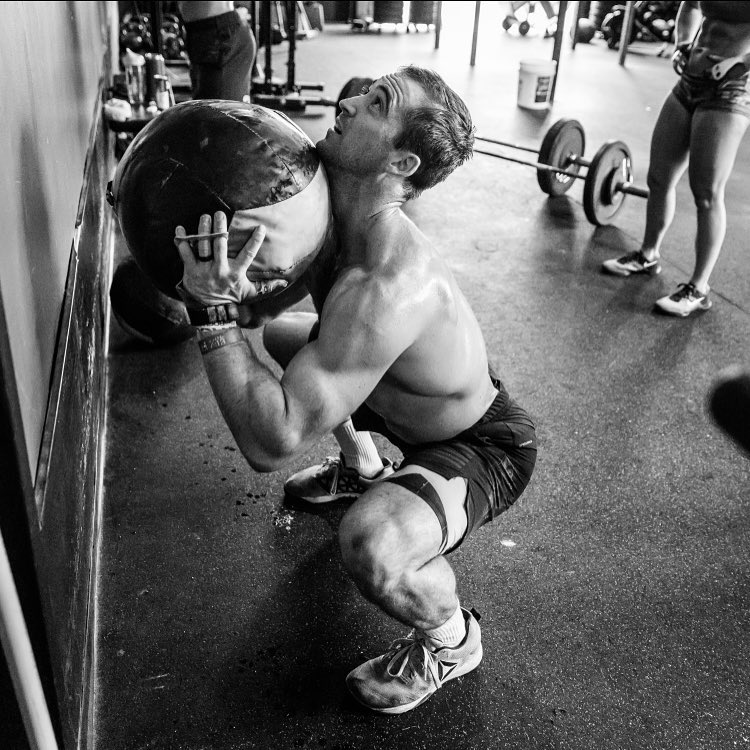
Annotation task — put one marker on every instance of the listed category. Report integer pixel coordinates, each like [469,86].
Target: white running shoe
[685,300]
[413,669]
[635,262]
[332,480]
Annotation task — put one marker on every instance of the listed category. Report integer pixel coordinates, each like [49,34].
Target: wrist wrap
[225,337]
[207,315]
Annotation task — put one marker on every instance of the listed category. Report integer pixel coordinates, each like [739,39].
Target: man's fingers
[220,243]
[205,251]
[247,255]
[183,246]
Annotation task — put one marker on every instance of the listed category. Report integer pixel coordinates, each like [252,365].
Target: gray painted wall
[51,60]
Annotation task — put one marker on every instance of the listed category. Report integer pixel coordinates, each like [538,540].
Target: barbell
[608,178]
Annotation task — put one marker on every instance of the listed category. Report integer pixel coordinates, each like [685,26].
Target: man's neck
[356,201]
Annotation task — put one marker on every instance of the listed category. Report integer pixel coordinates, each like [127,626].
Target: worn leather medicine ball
[203,156]
[143,311]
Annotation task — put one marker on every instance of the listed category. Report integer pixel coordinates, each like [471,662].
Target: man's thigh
[410,518]
[446,498]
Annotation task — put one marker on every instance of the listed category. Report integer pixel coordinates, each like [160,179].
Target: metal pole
[505,143]
[579,16]
[156,17]
[535,164]
[21,663]
[438,24]
[627,27]
[477,6]
[291,32]
[267,29]
[558,46]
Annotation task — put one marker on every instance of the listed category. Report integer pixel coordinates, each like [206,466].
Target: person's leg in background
[668,159]
[237,63]
[222,53]
[716,136]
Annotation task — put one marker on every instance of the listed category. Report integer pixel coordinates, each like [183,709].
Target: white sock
[358,449]
[451,632]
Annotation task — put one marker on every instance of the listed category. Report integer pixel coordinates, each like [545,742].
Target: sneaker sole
[653,271]
[700,308]
[321,500]
[467,667]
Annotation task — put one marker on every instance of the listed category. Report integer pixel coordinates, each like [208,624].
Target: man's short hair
[440,133]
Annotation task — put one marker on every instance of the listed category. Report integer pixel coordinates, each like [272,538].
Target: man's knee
[284,336]
[369,549]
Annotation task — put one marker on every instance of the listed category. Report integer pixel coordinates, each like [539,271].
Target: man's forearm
[250,398]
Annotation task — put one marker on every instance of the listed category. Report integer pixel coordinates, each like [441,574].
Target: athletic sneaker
[331,480]
[685,300]
[635,262]
[412,669]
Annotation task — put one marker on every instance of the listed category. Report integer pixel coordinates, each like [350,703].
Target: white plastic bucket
[535,79]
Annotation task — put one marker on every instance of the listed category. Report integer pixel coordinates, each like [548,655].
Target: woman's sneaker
[332,480]
[413,669]
[635,262]
[685,300]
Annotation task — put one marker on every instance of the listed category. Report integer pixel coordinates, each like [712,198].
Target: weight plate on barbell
[610,168]
[565,139]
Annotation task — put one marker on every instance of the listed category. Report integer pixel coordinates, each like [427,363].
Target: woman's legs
[716,136]
[670,144]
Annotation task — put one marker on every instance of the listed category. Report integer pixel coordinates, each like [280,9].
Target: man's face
[361,140]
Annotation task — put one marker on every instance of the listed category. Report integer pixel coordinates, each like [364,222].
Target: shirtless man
[397,347]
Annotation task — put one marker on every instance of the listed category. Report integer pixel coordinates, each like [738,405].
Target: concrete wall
[51,57]
[56,153]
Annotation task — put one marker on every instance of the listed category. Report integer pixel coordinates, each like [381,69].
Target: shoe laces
[413,652]
[686,291]
[331,463]
[635,257]
[328,473]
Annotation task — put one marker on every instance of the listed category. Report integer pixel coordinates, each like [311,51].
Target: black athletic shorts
[496,456]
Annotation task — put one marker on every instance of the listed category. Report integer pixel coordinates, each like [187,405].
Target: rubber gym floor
[615,595]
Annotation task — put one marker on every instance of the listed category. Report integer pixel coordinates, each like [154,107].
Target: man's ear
[404,163]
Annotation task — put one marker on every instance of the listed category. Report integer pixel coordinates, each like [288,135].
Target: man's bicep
[322,391]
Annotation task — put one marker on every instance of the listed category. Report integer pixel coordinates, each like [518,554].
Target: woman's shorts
[729,95]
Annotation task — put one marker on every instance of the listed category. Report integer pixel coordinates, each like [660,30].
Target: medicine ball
[143,311]
[210,155]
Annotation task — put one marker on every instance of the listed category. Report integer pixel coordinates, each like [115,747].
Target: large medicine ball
[209,155]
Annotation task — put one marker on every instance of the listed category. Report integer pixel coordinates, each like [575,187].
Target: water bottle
[135,77]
